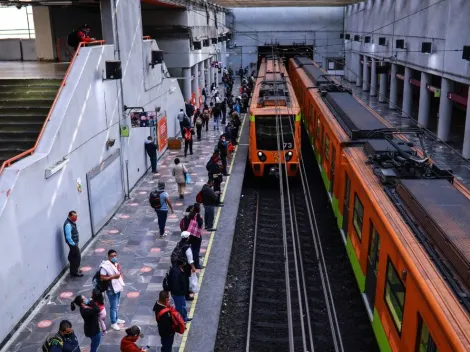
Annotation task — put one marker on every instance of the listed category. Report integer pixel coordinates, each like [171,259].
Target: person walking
[198,122]
[181,116]
[209,200]
[179,173]
[188,140]
[90,314]
[110,270]
[128,342]
[216,112]
[164,321]
[206,115]
[64,341]
[98,298]
[72,239]
[223,149]
[163,208]
[223,108]
[189,109]
[195,229]
[179,288]
[204,93]
[151,149]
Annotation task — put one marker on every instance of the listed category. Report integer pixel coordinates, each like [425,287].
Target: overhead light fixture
[55,3]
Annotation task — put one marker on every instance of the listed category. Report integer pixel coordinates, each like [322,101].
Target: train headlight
[289,156]
[261,157]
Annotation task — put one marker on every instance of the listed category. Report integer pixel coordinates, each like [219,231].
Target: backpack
[187,134]
[166,284]
[209,166]
[72,39]
[179,253]
[199,198]
[99,284]
[154,199]
[198,121]
[177,321]
[52,341]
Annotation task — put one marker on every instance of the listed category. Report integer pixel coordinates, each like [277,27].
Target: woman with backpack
[90,313]
[195,230]
[179,173]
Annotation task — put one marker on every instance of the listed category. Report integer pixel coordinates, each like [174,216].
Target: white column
[445,110]
[373,78]
[407,94]
[187,84]
[366,78]
[211,69]
[207,64]
[107,21]
[202,77]
[383,88]
[359,71]
[424,100]
[194,82]
[393,88]
[44,39]
[466,136]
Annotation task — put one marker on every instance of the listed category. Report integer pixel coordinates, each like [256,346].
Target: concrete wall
[86,115]
[45,43]
[17,50]
[445,24]
[320,25]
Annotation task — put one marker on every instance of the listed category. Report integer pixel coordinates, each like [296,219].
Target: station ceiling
[279,3]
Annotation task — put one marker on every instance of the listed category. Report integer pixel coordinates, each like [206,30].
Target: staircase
[24,106]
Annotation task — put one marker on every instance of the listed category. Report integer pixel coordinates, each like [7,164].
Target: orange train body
[411,306]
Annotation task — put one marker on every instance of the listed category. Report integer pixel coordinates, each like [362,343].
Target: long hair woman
[90,312]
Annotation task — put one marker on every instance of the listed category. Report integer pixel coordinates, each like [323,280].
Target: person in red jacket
[128,342]
[82,35]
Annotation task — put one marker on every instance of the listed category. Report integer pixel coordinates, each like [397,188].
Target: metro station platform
[32,70]
[145,258]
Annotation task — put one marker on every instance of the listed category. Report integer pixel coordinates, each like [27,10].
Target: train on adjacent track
[404,220]
[274,121]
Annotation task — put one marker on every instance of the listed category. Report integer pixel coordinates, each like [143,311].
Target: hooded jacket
[151,148]
[128,344]
[209,198]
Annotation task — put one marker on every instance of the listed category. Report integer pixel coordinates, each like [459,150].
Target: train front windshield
[266,132]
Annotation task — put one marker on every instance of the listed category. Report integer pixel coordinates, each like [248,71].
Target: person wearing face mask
[128,343]
[110,270]
[72,238]
[64,341]
[90,313]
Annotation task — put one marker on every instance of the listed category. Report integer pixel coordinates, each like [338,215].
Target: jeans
[216,122]
[75,258]
[114,299]
[206,124]
[195,248]
[186,145]
[167,343]
[162,215]
[209,216]
[95,342]
[180,305]
[153,162]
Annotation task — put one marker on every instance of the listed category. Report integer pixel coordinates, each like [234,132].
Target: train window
[394,295]
[424,343]
[327,147]
[266,132]
[358,216]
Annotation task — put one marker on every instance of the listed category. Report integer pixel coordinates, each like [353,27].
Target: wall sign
[162,134]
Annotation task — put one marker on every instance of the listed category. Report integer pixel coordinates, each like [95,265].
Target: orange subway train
[274,122]
[404,220]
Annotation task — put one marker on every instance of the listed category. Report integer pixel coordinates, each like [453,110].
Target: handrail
[31,151]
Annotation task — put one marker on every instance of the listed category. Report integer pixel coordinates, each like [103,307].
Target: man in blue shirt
[162,211]
[71,237]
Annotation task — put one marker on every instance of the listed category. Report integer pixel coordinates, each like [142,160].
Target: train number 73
[287,145]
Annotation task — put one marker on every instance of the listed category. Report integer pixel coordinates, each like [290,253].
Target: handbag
[194,228]
[187,178]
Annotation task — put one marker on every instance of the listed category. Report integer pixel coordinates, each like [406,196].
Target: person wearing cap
[184,253]
[162,212]
[165,327]
[128,343]
[82,35]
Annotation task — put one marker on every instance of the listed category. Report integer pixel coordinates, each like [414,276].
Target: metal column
[187,84]
[393,88]
[445,110]
[366,78]
[466,136]
[373,78]
[424,100]
[359,72]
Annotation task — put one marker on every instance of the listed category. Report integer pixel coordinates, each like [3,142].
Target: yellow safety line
[208,250]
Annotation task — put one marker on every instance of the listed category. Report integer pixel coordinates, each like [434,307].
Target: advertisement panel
[162,134]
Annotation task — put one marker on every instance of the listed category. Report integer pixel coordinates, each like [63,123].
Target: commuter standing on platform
[209,200]
[64,341]
[189,109]
[179,288]
[110,270]
[81,35]
[90,314]
[179,173]
[151,149]
[71,237]
[165,327]
[181,116]
[195,229]
[162,204]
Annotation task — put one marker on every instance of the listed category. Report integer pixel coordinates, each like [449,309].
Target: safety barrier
[31,151]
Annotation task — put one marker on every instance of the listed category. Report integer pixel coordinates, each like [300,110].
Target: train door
[372,266]
[333,162]
[347,191]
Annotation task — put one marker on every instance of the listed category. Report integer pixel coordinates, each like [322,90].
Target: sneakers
[115,327]
[120,321]
[164,235]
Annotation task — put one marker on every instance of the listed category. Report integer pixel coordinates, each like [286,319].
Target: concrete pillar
[373,78]
[424,100]
[202,76]
[211,70]
[366,78]
[466,136]
[393,88]
[108,24]
[445,110]
[383,88]
[194,82]
[187,83]
[407,94]
[44,39]
[359,71]
[207,65]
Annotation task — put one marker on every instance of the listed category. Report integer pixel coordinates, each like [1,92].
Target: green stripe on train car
[298,117]
[379,331]
[339,217]
[360,277]
[252,118]
[324,176]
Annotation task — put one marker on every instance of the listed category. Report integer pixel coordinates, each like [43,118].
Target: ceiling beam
[279,3]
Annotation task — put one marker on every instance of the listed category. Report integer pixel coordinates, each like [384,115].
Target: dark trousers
[217,183]
[224,164]
[167,343]
[181,127]
[198,131]
[205,123]
[153,162]
[209,216]
[162,215]
[195,248]
[74,258]
[224,117]
[188,144]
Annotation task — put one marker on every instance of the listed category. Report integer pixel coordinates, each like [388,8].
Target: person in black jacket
[195,238]
[189,109]
[179,288]
[151,149]
[209,200]
[90,314]
[223,149]
[165,328]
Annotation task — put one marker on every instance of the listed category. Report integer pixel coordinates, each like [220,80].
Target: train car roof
[315,73]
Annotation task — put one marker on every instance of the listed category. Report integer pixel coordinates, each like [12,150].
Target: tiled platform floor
[144,258]
[32,69]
